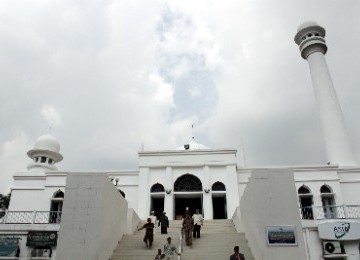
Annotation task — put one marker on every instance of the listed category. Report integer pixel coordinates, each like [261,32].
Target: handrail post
[345,210]
[33,217]
[5,216]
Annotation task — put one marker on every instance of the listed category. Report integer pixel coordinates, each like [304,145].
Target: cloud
[50,115]
[111,75]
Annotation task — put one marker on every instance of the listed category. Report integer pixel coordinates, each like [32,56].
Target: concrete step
[218,238]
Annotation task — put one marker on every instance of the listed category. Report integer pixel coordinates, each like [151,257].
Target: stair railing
[180,244]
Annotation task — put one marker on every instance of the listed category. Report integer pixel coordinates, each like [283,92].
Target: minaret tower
[311,40]
[45,154]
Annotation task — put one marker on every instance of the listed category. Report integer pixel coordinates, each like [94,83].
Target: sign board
[281,236]
[340,230]
[41,238]
[8,245]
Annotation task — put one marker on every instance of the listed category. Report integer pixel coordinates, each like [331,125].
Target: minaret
[311,40]
[45,154]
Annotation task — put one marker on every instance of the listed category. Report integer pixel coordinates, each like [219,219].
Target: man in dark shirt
[149,232]
[237,255]
[164,223]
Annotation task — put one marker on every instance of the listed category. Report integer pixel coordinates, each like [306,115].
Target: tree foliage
[4,201]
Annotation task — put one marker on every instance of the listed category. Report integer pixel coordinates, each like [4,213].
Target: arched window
[157,187]
[188,182]
[328,201]
[306,202]
[218,186]
[56,207]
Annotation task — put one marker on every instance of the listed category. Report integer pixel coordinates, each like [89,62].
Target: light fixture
[207,190]
[168,191]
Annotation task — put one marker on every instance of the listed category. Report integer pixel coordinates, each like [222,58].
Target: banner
[41,238]
[8,245]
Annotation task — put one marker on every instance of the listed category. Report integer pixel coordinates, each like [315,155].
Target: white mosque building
[318,205]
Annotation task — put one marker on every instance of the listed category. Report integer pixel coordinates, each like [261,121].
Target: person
[149,233]
[159,255]
[164,223]
[170,250]
[198,223]
[237,255]
[153,218]
[188,225]
[187,211]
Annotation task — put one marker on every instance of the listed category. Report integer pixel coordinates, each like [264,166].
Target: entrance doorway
[219,207]
[157,205]
[193,201]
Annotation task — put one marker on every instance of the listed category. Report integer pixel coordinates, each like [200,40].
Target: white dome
[47,142]
[307,24]
[193,146]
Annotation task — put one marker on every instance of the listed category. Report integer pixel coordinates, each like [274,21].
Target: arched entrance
[219,200]
[188,192]
[157,193]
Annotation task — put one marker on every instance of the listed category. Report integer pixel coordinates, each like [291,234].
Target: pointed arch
[304,190]
[218,186]
[58,194]
[326,189]
[188,182]
[306,202]
[157,187]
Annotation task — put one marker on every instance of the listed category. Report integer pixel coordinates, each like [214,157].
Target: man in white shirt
[170,250]
[198,223]
[153,218]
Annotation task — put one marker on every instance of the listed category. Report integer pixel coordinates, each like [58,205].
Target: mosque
[318,205]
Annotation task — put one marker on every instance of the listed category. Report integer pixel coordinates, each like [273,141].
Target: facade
[327,197]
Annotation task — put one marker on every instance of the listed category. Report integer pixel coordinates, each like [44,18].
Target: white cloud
[50,115]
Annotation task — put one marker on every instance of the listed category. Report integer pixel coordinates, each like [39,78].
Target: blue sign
[8,245]
[281,235]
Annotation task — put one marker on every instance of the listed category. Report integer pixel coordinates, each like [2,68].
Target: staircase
[218,238]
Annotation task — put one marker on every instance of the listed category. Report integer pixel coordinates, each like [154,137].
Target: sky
[110,78]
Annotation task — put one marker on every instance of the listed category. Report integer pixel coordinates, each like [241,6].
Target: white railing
[31,217]
[331,212]
[180,244]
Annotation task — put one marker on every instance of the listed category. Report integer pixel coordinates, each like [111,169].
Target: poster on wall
[281,236]
[9,245]
[41,238]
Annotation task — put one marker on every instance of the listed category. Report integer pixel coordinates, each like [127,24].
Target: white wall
[270,199]
[94,218]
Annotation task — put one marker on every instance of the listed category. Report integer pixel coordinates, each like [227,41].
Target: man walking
[237,255]
[153,218]
[170,250]
[198,222]
[164,223]
[149,233]
[188,225]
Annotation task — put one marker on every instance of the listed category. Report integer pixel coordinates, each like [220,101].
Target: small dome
[307,24]
[47,142]
[193,146]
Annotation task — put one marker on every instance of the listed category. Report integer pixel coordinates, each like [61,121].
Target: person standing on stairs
[164,223]
[153,218]
[188,226]
[170,250]
[237,255]
[149,233]
[198,221]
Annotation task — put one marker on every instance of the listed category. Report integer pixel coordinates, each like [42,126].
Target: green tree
[4,201]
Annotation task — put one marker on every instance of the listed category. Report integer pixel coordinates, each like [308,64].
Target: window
[56,207]
[188,182]
[157,187]
[306,202]
[328,201]
[218,186]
